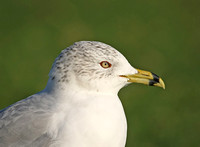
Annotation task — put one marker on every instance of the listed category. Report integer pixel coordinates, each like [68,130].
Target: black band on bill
[155,77]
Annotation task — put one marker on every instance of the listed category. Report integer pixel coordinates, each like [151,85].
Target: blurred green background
[160,36]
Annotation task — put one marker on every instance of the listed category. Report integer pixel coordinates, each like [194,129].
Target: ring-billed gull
[79,106]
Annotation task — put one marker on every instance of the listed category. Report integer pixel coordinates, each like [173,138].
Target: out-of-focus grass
[160,36]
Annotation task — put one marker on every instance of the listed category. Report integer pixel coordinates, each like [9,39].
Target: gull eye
[105,64]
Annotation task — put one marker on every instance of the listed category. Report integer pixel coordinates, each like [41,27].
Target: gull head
[96,67]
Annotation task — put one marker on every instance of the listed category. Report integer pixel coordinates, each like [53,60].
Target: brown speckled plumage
[82,58]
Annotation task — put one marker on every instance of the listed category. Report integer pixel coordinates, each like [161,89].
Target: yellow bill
[145,77]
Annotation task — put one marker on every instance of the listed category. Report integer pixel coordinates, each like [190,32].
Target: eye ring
[105,64]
